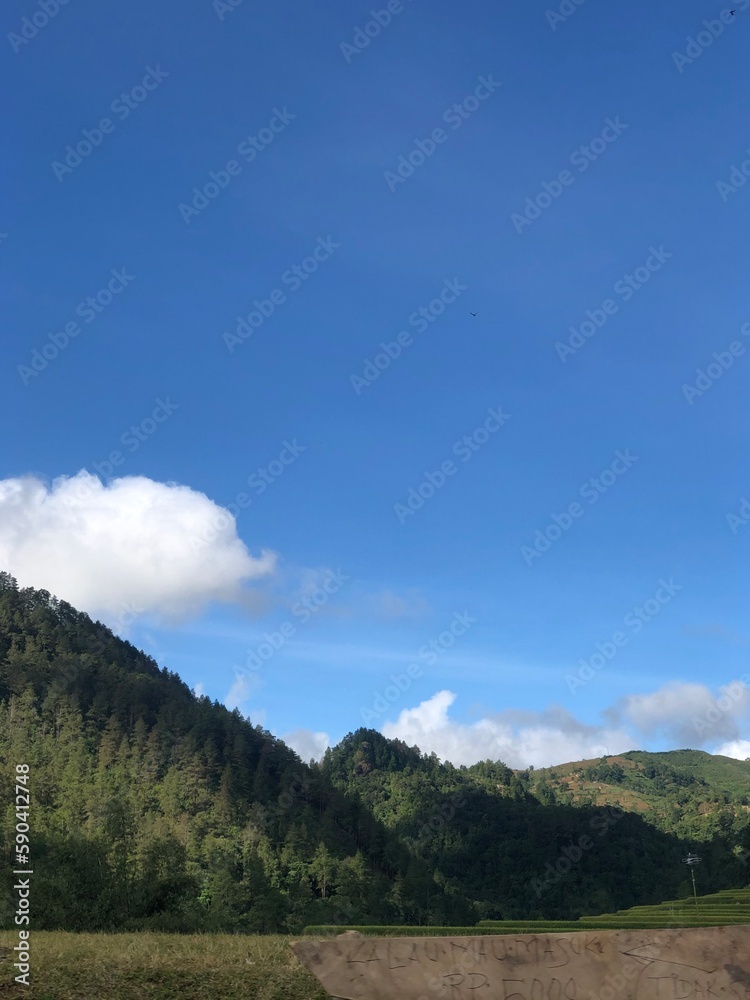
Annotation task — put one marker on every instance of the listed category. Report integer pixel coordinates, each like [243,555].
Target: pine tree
[322,869]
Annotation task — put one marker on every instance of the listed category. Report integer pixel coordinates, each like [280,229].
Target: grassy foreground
[158,967]
[237,967]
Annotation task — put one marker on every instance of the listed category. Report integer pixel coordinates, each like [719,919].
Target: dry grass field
[157,967]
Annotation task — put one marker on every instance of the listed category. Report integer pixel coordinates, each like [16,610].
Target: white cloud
[737,748]
[199,690]
[689,714]
[239,694]
[390,605]
[519,739]
[158,548]
[309,745]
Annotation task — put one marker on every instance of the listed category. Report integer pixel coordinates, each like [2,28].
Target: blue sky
[610,151]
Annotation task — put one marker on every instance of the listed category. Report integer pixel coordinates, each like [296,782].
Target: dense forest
[153,808]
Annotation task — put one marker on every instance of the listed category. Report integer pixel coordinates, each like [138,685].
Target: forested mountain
[688,792]
[151,807]
[504,835]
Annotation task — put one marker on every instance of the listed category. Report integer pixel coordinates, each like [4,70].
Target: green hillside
[151,808]
[154,809]
[507,836]
[687,792]
[730,906]
[723,773]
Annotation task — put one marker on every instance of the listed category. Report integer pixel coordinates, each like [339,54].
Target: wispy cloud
[240,694]
[719,632]
[686,713]
[390,605]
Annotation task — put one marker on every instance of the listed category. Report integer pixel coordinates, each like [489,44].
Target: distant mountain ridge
[152,808]
[689,792]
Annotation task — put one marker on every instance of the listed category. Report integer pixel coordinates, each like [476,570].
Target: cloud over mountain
[517,738]
[134,543]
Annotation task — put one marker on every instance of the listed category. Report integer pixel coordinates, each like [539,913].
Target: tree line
[152,808]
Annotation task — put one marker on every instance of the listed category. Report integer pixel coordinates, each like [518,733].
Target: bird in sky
[471,313]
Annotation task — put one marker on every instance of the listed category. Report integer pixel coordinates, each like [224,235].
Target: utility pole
[691,861]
